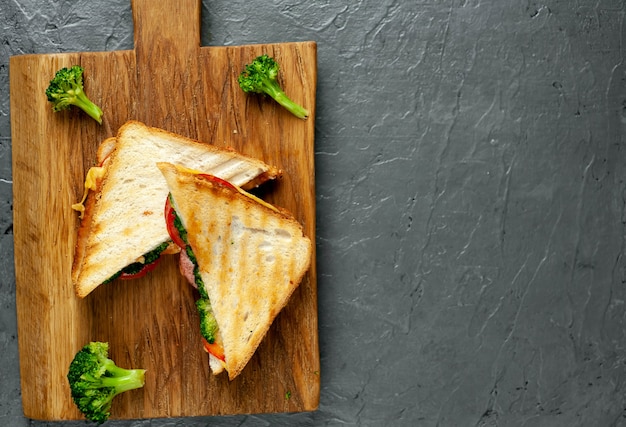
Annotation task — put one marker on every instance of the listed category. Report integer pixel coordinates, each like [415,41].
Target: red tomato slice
[170,214]
[215,349]
[145,270]
[217,180]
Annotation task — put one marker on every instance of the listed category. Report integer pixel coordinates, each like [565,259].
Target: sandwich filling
[142,266]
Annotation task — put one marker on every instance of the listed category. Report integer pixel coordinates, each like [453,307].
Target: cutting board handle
[167,47]
[158,22]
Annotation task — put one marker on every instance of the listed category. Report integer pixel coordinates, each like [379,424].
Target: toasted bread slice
[251,257]
[124,215]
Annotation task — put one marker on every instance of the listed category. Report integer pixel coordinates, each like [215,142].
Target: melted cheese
[91,183]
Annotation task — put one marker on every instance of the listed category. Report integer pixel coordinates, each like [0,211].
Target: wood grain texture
[170,81]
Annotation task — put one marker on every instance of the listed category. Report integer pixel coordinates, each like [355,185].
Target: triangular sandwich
[248,258]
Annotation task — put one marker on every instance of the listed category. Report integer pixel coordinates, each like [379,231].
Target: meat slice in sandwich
[122,233]
[248,258]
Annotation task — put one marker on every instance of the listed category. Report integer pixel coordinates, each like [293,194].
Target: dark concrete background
[471,202]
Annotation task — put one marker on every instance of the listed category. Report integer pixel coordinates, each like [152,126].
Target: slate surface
[471,202]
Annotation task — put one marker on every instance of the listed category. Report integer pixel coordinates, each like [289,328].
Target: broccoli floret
[260,77]
[95,380]
[208,324]
[66,88]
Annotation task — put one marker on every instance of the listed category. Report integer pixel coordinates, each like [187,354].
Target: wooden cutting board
[168,80]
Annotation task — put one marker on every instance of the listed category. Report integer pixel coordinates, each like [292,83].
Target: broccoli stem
[122,379]
[275,91]
[89,107]
[130,381]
